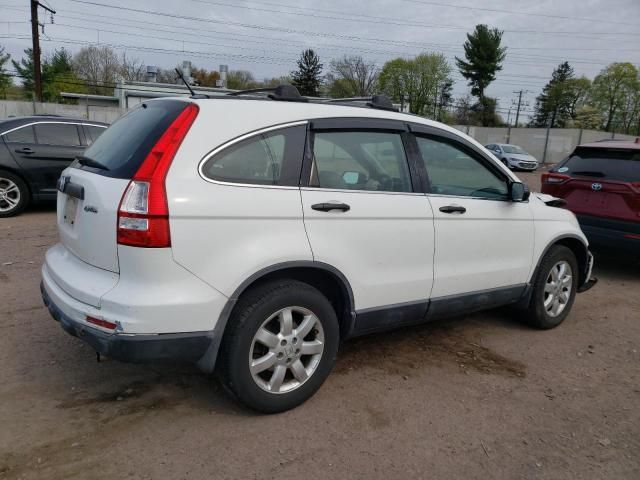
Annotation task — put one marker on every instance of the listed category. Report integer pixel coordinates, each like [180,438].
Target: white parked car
[254,234]
[513,156]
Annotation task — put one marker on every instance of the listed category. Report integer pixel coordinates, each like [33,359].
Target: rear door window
[606,164]
[124,145]
[59,134]
[360,160]
[21,135]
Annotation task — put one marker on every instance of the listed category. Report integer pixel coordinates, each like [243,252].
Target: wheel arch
[326,278]
[579,248]
[19,174]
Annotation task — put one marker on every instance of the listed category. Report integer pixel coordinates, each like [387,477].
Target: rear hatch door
[603,183]
[90,190]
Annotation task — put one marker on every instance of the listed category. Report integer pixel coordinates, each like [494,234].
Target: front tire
[14,194]
[554,288]
[280,345]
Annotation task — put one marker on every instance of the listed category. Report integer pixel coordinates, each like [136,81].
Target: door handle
[328,206]
[26,150]
[453,209]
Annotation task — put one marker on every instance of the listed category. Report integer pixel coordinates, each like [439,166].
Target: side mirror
[518,192]
[351,178]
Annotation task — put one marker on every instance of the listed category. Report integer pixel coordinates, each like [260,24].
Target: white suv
[255,233]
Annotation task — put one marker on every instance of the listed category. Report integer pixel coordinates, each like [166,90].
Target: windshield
[609,164]
[125,144]
[513,149]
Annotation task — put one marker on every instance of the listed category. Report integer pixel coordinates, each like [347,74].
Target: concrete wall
[560,144]
[10,108]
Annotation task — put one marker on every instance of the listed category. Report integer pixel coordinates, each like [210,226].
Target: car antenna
[185,82]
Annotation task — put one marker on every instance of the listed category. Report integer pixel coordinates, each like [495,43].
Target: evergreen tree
[57,75]
[554,104]
[5,78]
[484,57]
[25,72]
[307,77]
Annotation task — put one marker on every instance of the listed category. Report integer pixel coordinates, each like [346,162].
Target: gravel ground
[474,397]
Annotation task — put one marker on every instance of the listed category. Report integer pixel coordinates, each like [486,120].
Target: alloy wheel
[286,350]
[557,288]
[9,195]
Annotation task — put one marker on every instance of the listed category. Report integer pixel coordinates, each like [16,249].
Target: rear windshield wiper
[589,173]
[90,162]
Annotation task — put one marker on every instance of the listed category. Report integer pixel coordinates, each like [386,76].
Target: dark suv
[601,184]
[33,153]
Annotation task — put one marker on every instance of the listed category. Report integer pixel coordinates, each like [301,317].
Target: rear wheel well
[328,283]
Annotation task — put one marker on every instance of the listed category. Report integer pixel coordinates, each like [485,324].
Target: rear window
[608,164]
[124,145]
[21,135]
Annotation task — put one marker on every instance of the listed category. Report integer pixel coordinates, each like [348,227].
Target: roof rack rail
[381,102]
[283,93]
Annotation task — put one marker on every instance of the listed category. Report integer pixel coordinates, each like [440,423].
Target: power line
[246,25]
[416,45]
[91,18]
[515,12]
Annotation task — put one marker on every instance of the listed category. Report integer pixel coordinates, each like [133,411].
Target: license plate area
[70,210]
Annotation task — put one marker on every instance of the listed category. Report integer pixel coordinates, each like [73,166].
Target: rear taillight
[554,178]
[143,216]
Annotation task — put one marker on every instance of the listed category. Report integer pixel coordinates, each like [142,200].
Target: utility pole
[520,93]
[35,37]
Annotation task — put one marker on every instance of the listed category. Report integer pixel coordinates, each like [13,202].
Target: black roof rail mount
[283,93]
[380,102]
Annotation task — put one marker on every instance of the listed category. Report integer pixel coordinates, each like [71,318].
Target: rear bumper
[623,236]
[589,281]
[135,348]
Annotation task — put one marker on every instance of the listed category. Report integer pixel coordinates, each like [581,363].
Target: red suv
[601,184]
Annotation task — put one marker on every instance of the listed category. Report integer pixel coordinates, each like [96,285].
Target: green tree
[588,117]
[578,92]
[58,76]
[25,72]
[611,90]
[308,76]
[484,57]
[5,78]
[240,80]
[393,79]
[485,113]
[424,81]
[275,81]
[553,105]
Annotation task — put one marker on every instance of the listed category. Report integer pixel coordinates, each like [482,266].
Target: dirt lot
[476,397]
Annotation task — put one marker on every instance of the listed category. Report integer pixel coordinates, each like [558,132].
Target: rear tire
[280,345]
[14,194]
[554,288]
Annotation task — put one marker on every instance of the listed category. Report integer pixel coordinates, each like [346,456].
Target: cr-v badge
[90,208]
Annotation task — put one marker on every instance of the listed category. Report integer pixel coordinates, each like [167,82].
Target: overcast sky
[267,36]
